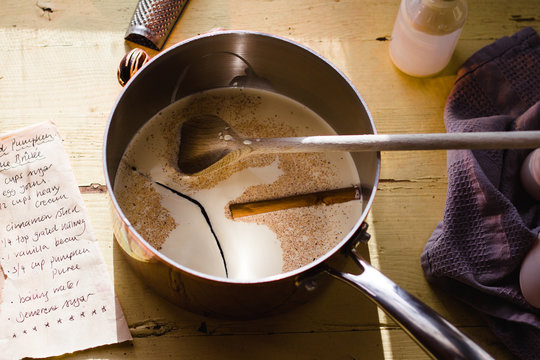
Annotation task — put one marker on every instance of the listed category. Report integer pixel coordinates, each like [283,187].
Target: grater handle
[153,21]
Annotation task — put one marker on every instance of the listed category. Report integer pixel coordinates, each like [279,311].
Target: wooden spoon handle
[378,142]
[317,198]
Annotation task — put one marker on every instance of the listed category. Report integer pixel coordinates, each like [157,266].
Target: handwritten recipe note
[56,296]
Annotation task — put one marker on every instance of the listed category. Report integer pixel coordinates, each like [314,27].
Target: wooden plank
[59,63]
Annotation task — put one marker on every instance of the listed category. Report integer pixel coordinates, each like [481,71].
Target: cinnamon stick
[328,197]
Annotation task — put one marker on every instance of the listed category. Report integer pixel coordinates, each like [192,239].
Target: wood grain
[61,64]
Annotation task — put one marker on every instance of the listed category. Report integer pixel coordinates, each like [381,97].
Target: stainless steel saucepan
[248,59]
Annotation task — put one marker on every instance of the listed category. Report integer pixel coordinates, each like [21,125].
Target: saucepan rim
[154,62]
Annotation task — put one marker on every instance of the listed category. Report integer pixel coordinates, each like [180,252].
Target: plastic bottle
[425,35]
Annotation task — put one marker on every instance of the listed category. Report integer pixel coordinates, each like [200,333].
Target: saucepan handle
[438,337]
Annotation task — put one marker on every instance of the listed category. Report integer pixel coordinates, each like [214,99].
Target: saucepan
[257,60]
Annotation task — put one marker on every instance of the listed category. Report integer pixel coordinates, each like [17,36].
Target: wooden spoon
[207,142]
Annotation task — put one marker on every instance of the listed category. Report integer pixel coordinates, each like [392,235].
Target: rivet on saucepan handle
[153,21]
[363,235]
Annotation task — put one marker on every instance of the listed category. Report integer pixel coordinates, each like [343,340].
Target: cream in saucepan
[186,217]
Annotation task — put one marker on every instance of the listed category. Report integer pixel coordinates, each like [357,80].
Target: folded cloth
[490,222]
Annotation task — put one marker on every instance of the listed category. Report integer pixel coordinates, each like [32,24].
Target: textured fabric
[490,222]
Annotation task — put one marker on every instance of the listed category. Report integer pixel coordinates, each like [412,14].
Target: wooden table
[59,63]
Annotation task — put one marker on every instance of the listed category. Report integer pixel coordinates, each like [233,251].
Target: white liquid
[251,250]
[417,53]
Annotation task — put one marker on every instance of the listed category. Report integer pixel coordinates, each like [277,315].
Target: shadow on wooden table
[339,323]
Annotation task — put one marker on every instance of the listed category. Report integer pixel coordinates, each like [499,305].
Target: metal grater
[153,21]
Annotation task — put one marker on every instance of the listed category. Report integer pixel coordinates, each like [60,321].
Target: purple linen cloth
[490,222]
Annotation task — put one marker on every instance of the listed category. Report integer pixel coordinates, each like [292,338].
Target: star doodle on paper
[60,321]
